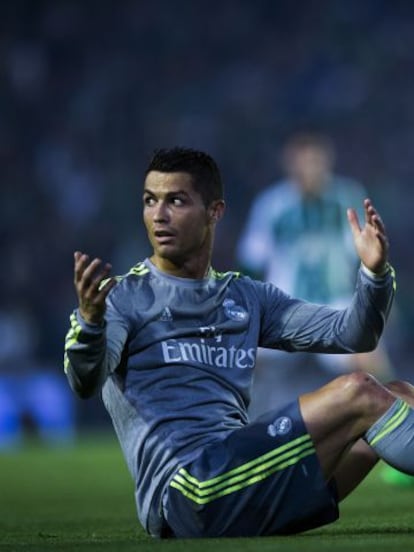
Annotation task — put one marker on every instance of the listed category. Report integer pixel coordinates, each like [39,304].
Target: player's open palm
[88,278]
[370,240]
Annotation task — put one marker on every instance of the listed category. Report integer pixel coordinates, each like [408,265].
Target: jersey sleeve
[294,325]
[92,352]
[256,239]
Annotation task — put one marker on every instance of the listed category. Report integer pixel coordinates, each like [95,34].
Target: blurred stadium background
[89,89]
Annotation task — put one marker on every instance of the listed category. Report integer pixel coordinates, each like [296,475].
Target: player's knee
[355,383]
[361,390]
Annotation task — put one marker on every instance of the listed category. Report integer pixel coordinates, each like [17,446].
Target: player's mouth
[163,236]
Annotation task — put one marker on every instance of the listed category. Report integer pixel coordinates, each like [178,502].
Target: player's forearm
[360,326]
[370,309]
[86,363]
[356,329]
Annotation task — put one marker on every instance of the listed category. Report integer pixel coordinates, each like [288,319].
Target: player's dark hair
[203,169]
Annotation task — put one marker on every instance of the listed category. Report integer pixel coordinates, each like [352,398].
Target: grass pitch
[81,498]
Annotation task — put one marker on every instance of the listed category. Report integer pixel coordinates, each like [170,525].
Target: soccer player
[297,236]
[172,347]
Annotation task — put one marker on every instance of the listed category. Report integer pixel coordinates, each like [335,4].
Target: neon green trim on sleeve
[73,333]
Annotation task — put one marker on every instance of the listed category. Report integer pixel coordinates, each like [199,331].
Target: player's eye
[149,201]
[177,201]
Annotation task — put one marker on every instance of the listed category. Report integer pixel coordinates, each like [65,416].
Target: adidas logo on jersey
[166,315]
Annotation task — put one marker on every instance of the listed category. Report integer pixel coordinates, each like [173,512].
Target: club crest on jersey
[233,311]
[281,426]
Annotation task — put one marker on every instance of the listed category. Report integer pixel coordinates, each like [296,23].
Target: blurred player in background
[297,236]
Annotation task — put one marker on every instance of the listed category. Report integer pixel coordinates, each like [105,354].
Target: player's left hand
[371,242]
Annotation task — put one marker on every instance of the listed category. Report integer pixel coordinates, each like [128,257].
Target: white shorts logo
[281,426]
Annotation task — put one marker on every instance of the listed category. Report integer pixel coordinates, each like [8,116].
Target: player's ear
[216,210]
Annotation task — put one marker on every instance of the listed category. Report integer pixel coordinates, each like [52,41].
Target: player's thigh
[263,479]
[346,406]
[339,413]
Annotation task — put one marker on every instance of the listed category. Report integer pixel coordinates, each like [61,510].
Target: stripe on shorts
[203,492]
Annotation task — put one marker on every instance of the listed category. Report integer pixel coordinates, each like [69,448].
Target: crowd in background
[89,89]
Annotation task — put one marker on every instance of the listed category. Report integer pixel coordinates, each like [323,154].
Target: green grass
[81,498]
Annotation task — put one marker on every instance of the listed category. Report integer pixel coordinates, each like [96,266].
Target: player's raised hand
[371,242]
[88,277]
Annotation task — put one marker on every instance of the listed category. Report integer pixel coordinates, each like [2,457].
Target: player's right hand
[88,277]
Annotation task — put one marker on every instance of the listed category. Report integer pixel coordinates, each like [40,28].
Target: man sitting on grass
[172,346]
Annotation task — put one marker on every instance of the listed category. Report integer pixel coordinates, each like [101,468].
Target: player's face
[176,219]
[310,167]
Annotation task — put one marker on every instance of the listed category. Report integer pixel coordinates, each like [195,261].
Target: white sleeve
[255,243]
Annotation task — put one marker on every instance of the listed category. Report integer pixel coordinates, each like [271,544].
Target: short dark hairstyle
[200,166]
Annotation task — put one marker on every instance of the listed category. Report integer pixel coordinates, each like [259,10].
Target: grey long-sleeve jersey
[174,359]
